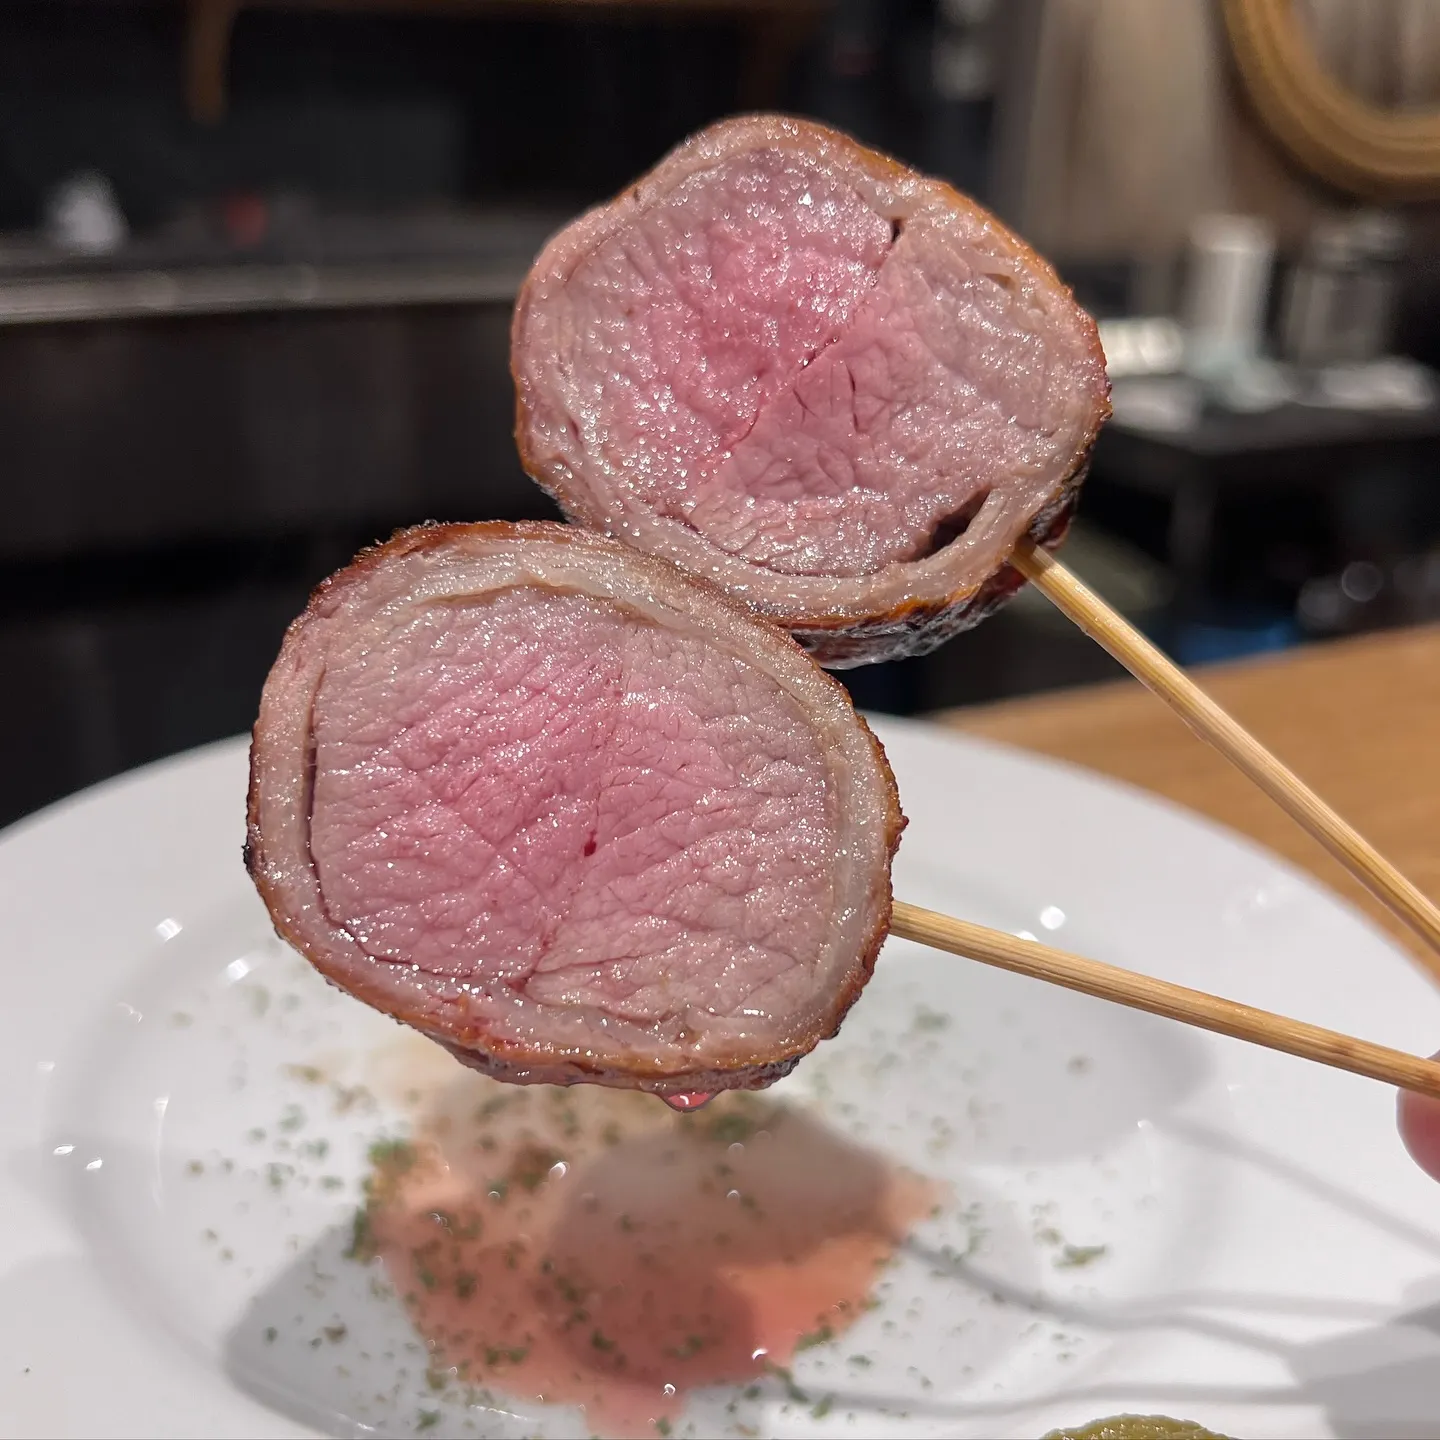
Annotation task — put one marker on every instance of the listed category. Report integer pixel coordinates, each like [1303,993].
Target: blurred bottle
[1226,293]
[1340,302]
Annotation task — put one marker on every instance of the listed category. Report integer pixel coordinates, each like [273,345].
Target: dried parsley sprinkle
[396,1156]
[270,1333]
[792,1390]
[352,1097]
[1072,1257]
[498,1356]
[362,1236]
[533,1164]
[428,1420]
[662,1426]
[601,1342]
[730,1128]
[336,1333]
[195,1168]
[816,1337]
[464,1285]
[292,1119]
[821,1410]
[309,1074]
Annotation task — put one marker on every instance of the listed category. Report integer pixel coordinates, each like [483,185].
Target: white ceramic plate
[1271,1260]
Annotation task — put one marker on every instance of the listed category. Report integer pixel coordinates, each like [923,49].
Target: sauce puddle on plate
[591,1247]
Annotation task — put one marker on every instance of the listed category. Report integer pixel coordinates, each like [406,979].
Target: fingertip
[1419,1119]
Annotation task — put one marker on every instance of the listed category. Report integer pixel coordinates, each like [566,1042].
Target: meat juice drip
[692,1100]
[583,1247]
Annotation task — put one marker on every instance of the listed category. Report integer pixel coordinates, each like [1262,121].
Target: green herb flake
[393,1156]
[1074,1257]
[927,1020]
[822,1336]
[792,1390]
[730,1127]
[428,1420]
[362,1237]
[353,1097]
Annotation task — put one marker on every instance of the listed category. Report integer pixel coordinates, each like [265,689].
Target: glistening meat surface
[573,815]
[836,387]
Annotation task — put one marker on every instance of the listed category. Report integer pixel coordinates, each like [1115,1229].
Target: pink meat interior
[765,358]
[540,791]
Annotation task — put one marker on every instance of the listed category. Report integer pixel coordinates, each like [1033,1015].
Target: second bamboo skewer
[1162,997]
[1154,669]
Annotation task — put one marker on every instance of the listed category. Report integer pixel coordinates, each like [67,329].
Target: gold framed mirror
[1344,138]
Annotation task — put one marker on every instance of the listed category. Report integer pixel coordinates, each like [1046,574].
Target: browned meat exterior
[832,385]
[569,812]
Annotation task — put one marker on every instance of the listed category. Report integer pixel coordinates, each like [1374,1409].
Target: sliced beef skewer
[832,385]
[569,812]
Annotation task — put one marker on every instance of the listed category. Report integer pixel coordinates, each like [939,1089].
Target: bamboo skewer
[1161,997]
[1154,669]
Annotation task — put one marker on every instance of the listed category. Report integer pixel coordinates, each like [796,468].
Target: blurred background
[257,262]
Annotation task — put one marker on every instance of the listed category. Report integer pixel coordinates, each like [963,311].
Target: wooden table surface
[1359,720]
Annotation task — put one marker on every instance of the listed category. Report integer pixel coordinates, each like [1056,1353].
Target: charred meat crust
[540,1063]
